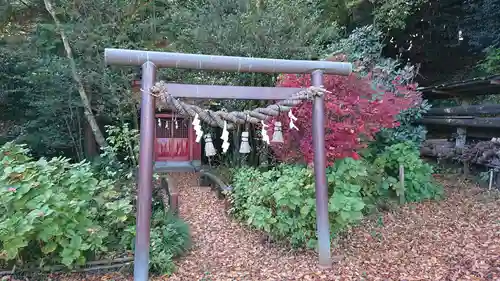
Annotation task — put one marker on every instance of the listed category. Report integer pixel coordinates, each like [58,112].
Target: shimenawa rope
[217,118]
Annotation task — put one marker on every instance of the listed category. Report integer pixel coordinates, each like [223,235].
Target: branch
[90,266]
[81,90]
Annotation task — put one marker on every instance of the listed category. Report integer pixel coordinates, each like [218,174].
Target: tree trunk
[87,110]
[88,137]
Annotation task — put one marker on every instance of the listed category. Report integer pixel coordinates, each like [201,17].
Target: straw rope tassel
[209,146]
[278,134]
[197,127]
[263,132]
[292,118]
[245,146]
[225,138]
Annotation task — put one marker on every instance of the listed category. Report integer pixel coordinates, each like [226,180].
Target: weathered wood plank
[489,122]
[472,110]
[448,117]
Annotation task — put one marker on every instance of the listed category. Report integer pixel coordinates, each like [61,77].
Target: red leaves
[355,156]
[355,112]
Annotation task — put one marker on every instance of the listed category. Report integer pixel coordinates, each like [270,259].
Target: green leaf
[67,257]
[337,202]
[49,247]
[305,209]
[345,216]
[354,188]
[357,205]
[76,242]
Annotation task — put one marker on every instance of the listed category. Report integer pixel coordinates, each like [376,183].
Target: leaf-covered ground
[454,239]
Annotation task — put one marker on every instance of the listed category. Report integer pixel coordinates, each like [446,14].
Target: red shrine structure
[175,146]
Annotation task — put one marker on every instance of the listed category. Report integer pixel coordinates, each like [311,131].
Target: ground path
[454,239]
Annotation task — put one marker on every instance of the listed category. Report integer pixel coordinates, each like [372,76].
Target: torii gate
[151,61]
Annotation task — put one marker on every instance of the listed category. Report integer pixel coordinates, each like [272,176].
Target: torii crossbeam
[151,61]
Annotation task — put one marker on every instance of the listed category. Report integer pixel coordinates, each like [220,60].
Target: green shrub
[52,212]
[347,181]
[170,238]
[281,201]
[419,184]
[169,235]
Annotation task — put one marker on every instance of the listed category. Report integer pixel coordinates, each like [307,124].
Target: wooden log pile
[482,152]
[440,148]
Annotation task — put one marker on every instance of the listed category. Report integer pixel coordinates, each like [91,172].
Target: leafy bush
[491,64]
[393,14]
[381,105]
[346,178]
[354,111]
[169,235]
[419,183]
[55,212]
[119,159]
[169,239]
[123,141]
[281,201]
[53,209]
[364,48]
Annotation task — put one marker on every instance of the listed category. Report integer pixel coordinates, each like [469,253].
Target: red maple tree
[354,112]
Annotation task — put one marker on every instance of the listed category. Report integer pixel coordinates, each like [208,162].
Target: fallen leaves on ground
[454,239]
